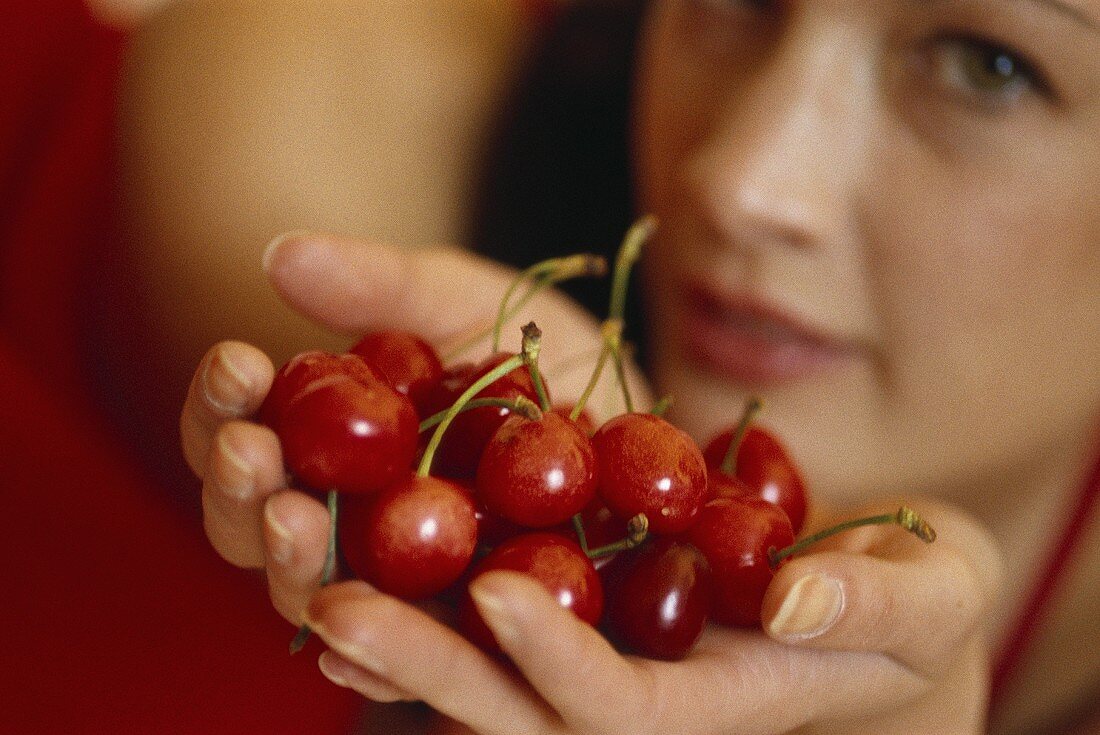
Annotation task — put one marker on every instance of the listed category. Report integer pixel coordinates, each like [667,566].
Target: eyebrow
[1071,12]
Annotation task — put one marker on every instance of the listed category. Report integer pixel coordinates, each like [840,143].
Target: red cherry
[555,562]
[303,369]
[584,420]
[735,535]
[405,362]
[658,598]
[766,469]
[537,473]
[647,465]
[460,451]
[413,540]
[340,434]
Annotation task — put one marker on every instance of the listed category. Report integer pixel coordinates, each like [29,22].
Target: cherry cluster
[447,472]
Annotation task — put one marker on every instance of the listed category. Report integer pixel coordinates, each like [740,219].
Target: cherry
[303,369]
[537,473]
[460,451]
[763,466]
[584,418]
[658,598]
[343,434]
[557,563]
[735,535]
[405,362]
[412,540]
[647,465]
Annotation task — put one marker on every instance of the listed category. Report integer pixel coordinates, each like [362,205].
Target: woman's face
[883,216]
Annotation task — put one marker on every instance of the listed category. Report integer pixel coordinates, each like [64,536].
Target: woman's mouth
[745,339]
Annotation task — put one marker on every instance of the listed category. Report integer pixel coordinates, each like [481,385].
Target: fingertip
[274,249]
[295,529]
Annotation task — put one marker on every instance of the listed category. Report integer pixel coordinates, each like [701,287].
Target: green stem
[543,274]
[629,252]
[522,405]
[620,373]
[661,407]
[905,517]
[481,384]
[532,344]
[578,526]
[611,329]
[328,571]
[637,530]
[729,461]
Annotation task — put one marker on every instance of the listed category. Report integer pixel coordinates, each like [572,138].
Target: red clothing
[118,616]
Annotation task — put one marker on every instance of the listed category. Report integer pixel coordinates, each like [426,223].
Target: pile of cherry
[445,473]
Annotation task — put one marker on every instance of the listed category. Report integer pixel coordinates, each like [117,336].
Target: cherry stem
[522,405]
[905,517]
[637,530]
[620,373]
[660,408]
[532,344]
[479,385]
[729,461]
[611,329]
[578,526]
[629,252]
[543,274]
[328,571]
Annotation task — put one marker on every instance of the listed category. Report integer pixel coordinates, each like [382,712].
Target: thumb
[883,592]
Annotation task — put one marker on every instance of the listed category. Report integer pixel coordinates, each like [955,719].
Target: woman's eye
[986,72]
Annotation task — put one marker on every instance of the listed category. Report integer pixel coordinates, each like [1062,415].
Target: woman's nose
[787,143]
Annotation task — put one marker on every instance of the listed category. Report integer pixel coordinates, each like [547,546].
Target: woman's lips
[744,339]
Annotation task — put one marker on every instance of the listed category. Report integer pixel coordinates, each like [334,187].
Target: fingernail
[490,598]
[235,477]
[281,541]
[225,385]
[810,608]
[357,653]
[335,669]
[275,244]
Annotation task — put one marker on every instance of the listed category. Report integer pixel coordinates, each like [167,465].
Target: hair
[558,179]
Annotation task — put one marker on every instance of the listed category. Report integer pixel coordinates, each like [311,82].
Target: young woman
[880,216]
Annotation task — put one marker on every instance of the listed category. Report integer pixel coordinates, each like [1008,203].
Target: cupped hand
[251,516]
[875,632]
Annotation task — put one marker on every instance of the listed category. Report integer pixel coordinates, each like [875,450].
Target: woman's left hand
[889,635]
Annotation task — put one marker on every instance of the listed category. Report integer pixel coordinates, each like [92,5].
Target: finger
[229,383]
[344,673]
[369,286]
[357,287]
[295,535]
[896,595]
[564,659]
[244,466]
[401,645]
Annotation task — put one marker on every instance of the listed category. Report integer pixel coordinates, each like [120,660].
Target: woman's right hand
[252,517]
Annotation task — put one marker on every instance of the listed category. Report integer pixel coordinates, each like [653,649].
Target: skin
[769,143]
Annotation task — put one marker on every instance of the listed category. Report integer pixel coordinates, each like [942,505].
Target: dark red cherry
[735,535]
[405,362]
[342,434]
[460,451]
[303,369]
[556,562]
[658,598]
[647,465]
[412,540]
[537,473]
[767,470]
